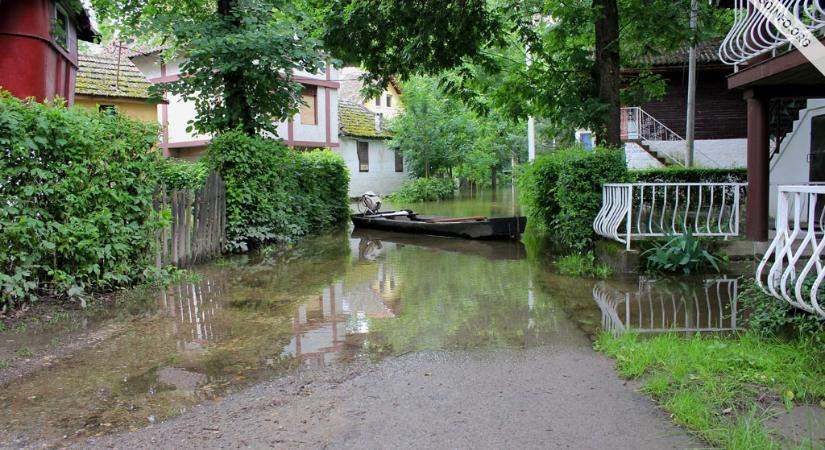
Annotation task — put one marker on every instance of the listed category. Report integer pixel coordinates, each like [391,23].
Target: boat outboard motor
[371,202]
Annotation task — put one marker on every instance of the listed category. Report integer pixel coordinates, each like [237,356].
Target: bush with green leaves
[425,190]
[770,317]
[275,194]
[180,174]
[583,265]
[562,191]
[678,174]
[681,253]
[76,190]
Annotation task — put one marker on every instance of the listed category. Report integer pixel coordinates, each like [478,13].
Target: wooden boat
[496,250]
[460,227]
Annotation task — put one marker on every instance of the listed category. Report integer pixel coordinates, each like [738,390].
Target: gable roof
[101,75]
[350,84]
[706,53]
[356,121]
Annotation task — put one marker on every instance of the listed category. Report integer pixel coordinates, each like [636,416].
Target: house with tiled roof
[655,131]
[363,138]
[387,103]
[105,82]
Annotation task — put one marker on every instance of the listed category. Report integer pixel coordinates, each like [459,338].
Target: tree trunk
[234,93]
[608,65]
[493,178]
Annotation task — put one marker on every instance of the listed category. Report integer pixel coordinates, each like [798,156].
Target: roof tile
[101,75]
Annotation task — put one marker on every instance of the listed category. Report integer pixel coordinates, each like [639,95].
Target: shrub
[76,192]
[680,253]
[583,265]
[770,317]
[562,191]
[425,190]
[274,194]
[179,174]
[676,174]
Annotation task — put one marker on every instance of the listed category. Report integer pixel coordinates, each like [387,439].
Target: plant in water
[583,265]
[3,364]
[680,253]
[425,190]
[24,352]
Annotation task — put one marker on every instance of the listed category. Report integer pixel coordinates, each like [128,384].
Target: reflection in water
[708,305]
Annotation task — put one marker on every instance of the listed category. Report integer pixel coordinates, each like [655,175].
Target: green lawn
[722,388]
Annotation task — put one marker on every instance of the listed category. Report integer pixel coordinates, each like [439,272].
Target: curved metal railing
[792,269]
[643,210]
[752,33]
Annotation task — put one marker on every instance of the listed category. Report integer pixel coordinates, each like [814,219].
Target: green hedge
[425,190]
[275,194]
[76,192]
[675,174]
[562,191]
[180,174]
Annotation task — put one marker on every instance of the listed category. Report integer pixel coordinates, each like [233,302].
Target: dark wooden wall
[720,113]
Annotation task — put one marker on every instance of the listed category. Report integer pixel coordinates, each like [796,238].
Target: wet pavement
[346,301]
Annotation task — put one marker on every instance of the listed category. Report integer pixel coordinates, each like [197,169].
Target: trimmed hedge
[274,194]
[690,175]
[562,191]
[76,190]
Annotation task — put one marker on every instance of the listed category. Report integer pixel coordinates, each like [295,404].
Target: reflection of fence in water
[193,306]
[658,307]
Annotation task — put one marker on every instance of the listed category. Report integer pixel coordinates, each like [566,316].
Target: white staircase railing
[792,269]
[644,210]
[638,125]
[662,308]
[752,33]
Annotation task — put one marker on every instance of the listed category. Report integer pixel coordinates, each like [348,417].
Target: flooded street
[342,298]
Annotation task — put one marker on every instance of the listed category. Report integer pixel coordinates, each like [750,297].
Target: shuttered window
[399,161]
[309,113]
[363,156]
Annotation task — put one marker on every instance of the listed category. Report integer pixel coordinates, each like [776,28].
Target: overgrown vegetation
[583,265]
[772,318]
[425,190]
[274,194]
[681,253]
[678,174]
[720,387]
[179,174]
[76,193]
[562,191]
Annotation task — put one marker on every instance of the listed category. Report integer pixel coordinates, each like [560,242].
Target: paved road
[561,396]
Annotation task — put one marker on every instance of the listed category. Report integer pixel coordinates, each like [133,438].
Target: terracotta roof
[356,121]
[706,53]
[99,75]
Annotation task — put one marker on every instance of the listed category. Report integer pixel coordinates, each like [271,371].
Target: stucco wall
[381,178]
[146,112]
[791,165]
[719,153]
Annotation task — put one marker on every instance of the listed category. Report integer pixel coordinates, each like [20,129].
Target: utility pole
[690,123]
[531,124]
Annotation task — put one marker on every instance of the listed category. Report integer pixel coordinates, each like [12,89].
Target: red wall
[31,63]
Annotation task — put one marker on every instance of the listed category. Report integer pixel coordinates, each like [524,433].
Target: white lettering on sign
[794,31]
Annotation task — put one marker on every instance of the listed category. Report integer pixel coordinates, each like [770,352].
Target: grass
[712,385]
[24,352]
[3,364]
[583,265]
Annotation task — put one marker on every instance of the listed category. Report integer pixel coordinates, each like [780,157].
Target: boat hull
[494,228]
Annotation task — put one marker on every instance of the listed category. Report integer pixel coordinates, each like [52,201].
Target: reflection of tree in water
[697,305]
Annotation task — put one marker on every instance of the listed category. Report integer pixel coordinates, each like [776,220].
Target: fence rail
[792,269]
[644,210]
[752,33]
[198,226]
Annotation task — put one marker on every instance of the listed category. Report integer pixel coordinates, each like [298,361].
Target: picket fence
[198,226]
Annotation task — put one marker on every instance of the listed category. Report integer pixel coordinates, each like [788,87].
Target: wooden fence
[198,226]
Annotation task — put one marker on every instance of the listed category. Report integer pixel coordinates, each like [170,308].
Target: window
[109,110]
[399,161]
[378,101]
[60,28]
[309,113]
[389,101]
[363,156]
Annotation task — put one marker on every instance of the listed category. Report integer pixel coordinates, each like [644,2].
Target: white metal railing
[638,125]
[752,33]
[710,305]
[644,210]
[792,268]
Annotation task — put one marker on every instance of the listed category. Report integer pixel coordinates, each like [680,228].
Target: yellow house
[387,104]
[103,83]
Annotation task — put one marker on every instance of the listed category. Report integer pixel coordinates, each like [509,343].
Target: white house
[372,164]
[387,104]
[315,126]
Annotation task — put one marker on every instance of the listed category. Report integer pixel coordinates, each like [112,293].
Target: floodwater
[347,296]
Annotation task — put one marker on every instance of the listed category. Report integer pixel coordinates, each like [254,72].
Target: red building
[38,46]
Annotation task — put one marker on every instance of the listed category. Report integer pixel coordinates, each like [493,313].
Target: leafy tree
[240,55]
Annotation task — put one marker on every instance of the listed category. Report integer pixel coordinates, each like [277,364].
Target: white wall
[381,178]
[638,158]
[717,153]
[791,165]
